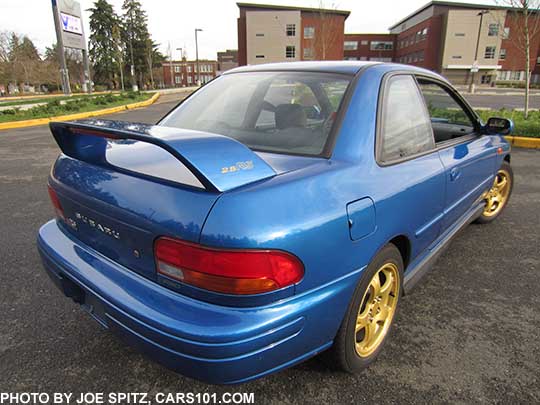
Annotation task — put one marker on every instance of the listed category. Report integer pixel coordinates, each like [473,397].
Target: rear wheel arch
[403,244]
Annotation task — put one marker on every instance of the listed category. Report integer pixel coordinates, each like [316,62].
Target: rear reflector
[56,202]
[227,271]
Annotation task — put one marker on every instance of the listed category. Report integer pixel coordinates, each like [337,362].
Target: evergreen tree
[103,21]
[136,36]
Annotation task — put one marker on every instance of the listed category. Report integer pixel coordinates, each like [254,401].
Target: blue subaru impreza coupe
[279,211]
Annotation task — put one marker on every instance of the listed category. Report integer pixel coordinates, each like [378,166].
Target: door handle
[454,174]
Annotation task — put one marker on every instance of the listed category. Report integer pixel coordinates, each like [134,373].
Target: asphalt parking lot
[468,333]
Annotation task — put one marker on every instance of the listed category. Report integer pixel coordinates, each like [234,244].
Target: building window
[177,69]
[350,45]
[489,53]
[364,42]
[259,35]
[456,57]
[309,32]
[378,59]
[421,56]
[459,34]
[189,79]
[493,30]
[308,53]
[363,58]
[351,58]
[290,52]
[424,32]
[189,68]
[506,33]
[502,54]
[291,30]
[259,56]
[485,79]
[538,60]
[382,45]
[177,79]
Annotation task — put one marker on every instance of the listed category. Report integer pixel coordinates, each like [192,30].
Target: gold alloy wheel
[377,309]
[497,196]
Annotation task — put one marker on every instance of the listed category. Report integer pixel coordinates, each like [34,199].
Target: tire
[347,353]
[497,198]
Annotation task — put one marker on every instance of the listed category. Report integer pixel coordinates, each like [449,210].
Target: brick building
[442,36]
[377,47]
[268,33]
[227,60]
[182,73]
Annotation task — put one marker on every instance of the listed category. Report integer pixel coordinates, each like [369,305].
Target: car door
[468,157]
[412,179]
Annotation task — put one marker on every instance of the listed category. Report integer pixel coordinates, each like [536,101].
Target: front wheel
[371,312]
[499,194]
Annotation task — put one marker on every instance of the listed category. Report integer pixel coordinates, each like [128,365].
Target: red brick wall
[364,51]
[431,45]
[328,41]
[184,73]
[242,45]
[515,56]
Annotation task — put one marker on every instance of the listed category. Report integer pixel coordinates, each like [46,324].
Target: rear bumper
[205,341]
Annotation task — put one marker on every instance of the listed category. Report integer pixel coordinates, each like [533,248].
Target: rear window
[284,112]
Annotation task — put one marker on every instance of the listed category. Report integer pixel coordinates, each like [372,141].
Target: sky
[174,21]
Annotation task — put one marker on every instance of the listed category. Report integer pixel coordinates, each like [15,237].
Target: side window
[448,119]
[405,127]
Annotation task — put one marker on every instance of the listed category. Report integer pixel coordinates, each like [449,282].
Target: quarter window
[405,127]
[448,118]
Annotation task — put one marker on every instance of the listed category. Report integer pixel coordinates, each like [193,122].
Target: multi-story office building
[269,33]
[454,39]
[182,73]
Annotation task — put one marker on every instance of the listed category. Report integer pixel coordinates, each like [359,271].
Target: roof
[453,5]
[338,66]
[307,9]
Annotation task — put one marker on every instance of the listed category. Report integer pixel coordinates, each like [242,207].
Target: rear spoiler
[220,163]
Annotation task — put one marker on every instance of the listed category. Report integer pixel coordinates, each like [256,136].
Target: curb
[78,116]
[524,142]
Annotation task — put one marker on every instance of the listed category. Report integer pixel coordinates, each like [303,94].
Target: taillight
[56,202]
[227,271]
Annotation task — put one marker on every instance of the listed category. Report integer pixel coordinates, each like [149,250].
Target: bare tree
[524,17]
[329,31]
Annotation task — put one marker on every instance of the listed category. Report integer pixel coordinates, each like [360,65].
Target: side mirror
[499,126]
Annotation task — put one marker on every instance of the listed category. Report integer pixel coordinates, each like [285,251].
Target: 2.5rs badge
[247,165]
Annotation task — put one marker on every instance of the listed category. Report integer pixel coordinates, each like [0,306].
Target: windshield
[285,112]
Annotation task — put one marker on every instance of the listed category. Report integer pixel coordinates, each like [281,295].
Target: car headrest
[290,115]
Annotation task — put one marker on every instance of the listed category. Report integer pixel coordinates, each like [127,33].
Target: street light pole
[197,57]
[475,63]
[181,68]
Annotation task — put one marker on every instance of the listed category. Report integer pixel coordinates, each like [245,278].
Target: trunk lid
[122,185]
